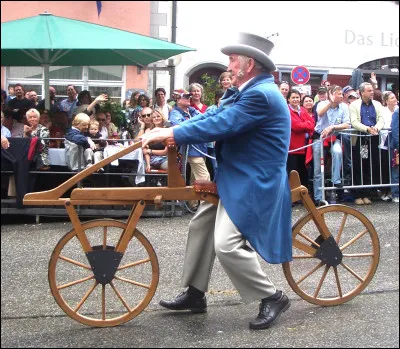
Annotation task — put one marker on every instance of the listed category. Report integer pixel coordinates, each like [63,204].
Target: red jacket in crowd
[302,125]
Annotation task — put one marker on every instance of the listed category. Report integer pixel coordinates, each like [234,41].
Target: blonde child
[94,134]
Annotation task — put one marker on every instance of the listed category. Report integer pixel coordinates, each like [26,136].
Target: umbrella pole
[46,94]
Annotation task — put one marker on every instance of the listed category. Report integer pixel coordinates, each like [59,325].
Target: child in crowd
[94,134]
[76,137]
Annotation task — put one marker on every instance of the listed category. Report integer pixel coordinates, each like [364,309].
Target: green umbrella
[47,40]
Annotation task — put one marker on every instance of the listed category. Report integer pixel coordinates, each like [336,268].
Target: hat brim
[252,52]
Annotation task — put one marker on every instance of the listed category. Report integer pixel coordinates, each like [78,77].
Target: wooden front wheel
[317,282]
[80,296]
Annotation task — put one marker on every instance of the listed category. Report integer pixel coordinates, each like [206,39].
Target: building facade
[118,82]
[331,39]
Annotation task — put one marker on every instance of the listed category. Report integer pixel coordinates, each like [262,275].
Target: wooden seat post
[175,178]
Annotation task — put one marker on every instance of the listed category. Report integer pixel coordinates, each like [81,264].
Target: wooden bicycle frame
[140,196]
[320,245]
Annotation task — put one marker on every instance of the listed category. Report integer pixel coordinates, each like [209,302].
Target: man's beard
[240,74]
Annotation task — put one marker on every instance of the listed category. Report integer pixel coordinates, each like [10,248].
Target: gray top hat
[253,46]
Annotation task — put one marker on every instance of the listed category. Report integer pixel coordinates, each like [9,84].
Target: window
[25,73]
[113,93]
[96,79]
[109,73]
[66,73]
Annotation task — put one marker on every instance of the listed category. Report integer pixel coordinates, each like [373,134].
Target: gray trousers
[212,233]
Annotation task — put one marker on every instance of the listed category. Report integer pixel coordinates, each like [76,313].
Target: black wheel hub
[329,252]
[104,263]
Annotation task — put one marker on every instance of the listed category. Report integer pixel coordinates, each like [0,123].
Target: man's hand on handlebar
[158,135]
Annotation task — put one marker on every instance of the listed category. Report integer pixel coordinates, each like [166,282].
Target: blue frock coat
[253,137]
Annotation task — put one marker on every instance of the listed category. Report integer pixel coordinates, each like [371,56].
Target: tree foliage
[210,86]
[116,110]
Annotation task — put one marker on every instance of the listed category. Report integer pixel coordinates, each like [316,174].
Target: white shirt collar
[245,84]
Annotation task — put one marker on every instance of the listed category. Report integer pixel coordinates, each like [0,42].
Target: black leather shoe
[270,310]
[186,301]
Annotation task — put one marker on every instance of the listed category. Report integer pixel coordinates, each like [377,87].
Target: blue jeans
[336,151]
[394,172]
[347,163]
[211,152]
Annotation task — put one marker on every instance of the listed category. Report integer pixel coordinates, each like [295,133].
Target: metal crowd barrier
[375,164]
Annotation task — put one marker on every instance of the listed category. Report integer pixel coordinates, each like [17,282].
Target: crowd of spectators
[80,119]
[363,159]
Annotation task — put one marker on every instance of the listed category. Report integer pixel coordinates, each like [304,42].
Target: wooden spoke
[120,297]
[103,302]
[352,272]
[338,281]
[302,256]
[321,281]
[303,247]
[88,293]
[339,235]
[309,239]
[69,260]
[352,241]
[132,282]
[90,277]
[134,264]
[309,273]
[358,255]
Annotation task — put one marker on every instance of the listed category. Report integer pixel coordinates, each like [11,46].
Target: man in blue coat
[253,136]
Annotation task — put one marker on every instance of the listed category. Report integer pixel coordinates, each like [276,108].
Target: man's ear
[251,64]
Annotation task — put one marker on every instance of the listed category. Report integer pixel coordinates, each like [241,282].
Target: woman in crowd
[225,80]
[34,129]
[87,105]
[307,102]
[46,122]
[130,104]
[156,154]
[111,128]
[161,102]
[196,90]
[302,127]
[134,100]
[143,102]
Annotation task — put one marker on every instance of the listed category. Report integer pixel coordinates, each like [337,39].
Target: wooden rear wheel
[319,283]
[102,304]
